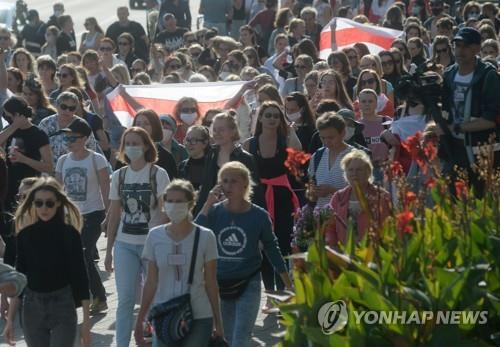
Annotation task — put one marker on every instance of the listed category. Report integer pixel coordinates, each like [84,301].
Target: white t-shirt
[138,214]
[81,182]
[173,260]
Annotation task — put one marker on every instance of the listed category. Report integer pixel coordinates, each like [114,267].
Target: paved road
[103,326]
[103,10]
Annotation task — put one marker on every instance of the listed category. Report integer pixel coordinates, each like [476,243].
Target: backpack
[152,180]
[94,164]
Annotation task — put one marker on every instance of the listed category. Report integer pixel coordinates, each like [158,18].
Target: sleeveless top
[89,41]
[270,167]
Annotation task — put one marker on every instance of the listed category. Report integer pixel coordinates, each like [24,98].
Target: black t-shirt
[28,141]
[34,37]
[65,43]
[94,121]
[134,29]
[171,40]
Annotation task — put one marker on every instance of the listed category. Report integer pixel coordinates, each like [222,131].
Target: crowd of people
[202,202]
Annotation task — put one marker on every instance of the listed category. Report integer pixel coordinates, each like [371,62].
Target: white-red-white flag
[349,32]
[163,97]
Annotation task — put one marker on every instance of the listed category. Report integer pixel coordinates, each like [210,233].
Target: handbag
[232,289]
[173,319]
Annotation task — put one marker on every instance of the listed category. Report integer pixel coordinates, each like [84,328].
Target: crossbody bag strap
[193,255]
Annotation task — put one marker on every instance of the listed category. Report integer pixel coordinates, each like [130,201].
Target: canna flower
[461,189]
[403,220]
[295,162]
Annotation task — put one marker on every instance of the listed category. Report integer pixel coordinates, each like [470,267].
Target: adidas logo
[232,240]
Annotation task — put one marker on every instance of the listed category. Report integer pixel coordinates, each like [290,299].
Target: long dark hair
[301,100]
[282,129]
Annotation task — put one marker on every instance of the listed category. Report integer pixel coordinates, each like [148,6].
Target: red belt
[280,181]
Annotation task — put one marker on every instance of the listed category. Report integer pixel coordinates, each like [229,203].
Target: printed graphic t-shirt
[81,182]
[136,196]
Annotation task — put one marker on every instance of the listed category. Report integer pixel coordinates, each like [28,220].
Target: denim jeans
[239,315]
[49,319]
[198,336]
[90,235]
[128,270]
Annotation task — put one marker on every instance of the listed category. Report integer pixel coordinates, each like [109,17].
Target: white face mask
[134,152]
[176,211]
[293,117]
[189,118]
[349,132]
[167,134]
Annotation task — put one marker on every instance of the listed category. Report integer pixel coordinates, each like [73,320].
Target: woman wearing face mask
[169,127]
[186,113]
[197,143]
[269,147]
[300,115]
[169,279]
[50,254]
[135,207]
[148,120]
[244,229]
[29,152]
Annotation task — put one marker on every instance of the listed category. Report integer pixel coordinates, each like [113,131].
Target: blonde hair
[183,186]
[230,122]
[242,171]
[122,74]
[67,210]
[357,154]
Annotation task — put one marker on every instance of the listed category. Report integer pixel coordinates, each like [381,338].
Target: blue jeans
[239,315]
[198,336]
[128,270]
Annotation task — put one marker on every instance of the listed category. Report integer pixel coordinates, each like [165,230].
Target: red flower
[403,219]
[461,189]
[430,150]
[295,161]
[396,168]
[421,154]
[430,182]
[410,197]
[412,144]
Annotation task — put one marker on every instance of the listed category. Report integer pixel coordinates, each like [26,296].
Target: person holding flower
[362,203]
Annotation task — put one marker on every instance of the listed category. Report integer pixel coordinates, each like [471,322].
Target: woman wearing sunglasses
[29,152]
[50,254]
[197,142]
[66,103]
[370,79]
[186,113]
[269,147]
[67,77]
[126,44]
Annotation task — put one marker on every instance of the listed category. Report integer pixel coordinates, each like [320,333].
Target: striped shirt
[332,176]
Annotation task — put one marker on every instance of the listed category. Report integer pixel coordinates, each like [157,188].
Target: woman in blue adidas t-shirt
[239,227]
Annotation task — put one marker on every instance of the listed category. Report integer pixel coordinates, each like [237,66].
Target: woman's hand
[8,333]
[85,333]
[215,195]
[139,333]
[108,262]
[218,330]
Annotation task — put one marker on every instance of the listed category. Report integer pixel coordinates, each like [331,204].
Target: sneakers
[98,306]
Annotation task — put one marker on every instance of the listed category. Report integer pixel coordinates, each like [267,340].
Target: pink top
[371,132]
[379,200]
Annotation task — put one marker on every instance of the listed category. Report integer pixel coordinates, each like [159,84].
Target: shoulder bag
[173,319]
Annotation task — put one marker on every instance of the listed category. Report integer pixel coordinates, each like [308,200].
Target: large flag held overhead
[349,32]
[162,98]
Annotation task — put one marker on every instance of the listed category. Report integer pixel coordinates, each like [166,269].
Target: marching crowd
[197,207]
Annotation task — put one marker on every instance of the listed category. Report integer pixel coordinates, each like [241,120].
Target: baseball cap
[78,126]
[469,36]
[169,120]
[347,114]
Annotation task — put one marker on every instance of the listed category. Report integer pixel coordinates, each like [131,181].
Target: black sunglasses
[41,203]
[65,107]
[272,115]
[105,49]
[62,75]
[387,63]
[193,141]
[368,81]
[174,66]
[188,109]
[444,50]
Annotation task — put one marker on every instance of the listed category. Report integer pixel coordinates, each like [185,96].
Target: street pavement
[103,326]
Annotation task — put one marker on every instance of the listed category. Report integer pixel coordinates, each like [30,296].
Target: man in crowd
[470,98]
[172,36]
[124,25]
[32,37]
[217,14]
